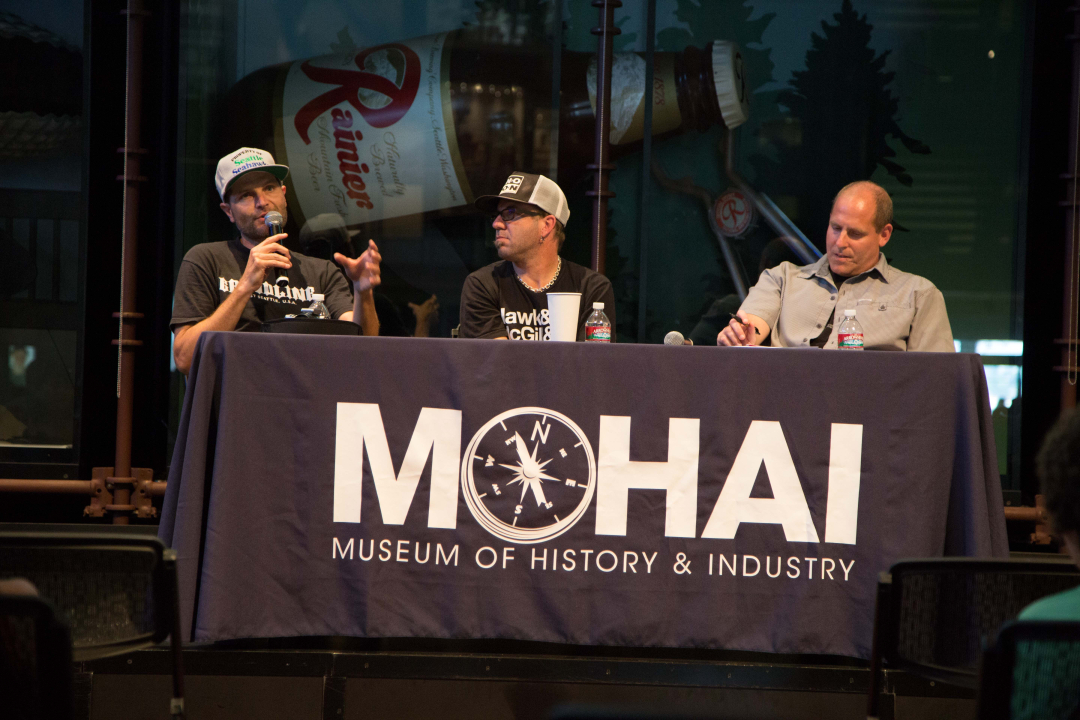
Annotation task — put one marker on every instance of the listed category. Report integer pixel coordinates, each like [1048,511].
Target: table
[737,498]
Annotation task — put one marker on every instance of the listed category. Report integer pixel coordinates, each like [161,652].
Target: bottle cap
[598,306]
[849,313]
[729,80]
[318,297]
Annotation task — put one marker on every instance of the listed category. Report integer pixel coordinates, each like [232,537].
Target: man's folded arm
[224,318]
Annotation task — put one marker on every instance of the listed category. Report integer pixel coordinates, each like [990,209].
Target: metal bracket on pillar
[100,494]
[123,496]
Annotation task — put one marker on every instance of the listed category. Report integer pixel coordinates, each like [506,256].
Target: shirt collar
[821,269]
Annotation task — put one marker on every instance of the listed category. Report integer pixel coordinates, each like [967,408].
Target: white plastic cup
[563,310]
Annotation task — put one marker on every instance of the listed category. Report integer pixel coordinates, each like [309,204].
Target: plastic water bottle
[849,336]
[598,327]
[317,309]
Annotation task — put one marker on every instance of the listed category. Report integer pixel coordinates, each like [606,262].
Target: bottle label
[849,341]
[369,134]
[628,91]
[597,333]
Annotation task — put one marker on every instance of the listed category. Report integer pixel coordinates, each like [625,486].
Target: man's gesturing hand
[270,253]
[738,332]
[364,270]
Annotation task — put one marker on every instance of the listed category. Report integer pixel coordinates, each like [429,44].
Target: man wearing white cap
[231,285]
[508,299]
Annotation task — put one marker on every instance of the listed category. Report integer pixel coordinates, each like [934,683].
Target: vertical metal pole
[1071,285]
[604,51]
[127,343]
[556,85]
[646,174]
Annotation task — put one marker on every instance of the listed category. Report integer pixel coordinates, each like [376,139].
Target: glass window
[393,122]
[41,195]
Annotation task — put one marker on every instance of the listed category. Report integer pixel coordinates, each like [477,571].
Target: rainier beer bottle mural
[427,124]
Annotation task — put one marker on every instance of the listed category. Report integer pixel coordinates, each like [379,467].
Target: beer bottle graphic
[425,125]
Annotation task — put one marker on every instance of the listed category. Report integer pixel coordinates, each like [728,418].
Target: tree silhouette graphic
[845,113]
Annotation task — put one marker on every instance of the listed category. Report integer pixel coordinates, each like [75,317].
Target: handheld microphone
[275,224]
[676,338]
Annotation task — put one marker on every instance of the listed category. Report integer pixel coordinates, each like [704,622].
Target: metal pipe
[66,487]
[646,154]
[774,216]
[687,187]
[155,488]
[1025,514]
[131,178]
[1037,515]
[1070,296]
[606,33]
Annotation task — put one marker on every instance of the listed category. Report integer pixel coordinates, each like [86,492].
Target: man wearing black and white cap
[230,285]
[508,299]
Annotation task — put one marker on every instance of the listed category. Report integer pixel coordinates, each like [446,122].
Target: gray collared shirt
[897,310]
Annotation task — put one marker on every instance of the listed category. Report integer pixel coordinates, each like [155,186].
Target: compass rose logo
[529,472]
[525,495]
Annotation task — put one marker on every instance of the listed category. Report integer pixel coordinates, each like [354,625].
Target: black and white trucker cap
[536,190]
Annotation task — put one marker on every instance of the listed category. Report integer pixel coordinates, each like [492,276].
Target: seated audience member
[1058,464]
[231,285]
[803,306]
[508,299]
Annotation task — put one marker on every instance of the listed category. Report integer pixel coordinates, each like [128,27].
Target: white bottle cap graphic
[598,306]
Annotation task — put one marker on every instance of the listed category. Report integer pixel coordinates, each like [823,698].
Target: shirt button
[819,326]
[832,297]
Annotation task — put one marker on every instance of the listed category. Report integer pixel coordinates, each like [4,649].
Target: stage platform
[400,679]
[405,678]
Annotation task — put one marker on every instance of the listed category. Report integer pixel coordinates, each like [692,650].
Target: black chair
[1032,672]
[934,617]
[36,678]
[116,592]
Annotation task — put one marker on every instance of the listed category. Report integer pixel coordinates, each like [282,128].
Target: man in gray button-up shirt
[803,306]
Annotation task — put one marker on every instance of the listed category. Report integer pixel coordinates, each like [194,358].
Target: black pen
[736,319]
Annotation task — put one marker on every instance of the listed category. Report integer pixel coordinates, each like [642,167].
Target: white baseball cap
[537,190]
[243,161]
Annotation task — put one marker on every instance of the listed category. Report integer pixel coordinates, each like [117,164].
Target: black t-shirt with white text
[494,302]
[210,272]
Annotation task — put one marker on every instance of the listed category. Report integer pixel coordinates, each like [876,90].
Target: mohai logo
[529,474]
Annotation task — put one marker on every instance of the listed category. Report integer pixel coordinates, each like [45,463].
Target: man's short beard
[251,231]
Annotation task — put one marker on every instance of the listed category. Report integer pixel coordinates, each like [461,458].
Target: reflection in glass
[37,389]
[41,132]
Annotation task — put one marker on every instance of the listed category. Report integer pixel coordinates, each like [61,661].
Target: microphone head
[674,338]
[274,222]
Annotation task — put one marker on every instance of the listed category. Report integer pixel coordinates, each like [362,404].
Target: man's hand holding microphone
[267,259]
